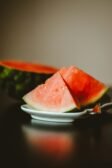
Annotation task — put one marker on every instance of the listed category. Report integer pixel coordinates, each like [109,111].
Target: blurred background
[59,33]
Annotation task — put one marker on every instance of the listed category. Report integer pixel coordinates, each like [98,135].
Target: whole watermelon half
[19,77]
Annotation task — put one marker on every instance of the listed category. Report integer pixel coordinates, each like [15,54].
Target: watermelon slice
[19,77]
[86,88]
[54,95]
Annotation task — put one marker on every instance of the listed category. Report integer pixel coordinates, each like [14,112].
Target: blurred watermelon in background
[19,77]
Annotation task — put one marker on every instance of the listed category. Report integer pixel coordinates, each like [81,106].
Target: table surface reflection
[25,143]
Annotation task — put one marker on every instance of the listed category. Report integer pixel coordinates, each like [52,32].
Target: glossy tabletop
[25,143]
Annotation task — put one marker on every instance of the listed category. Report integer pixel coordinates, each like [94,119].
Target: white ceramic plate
[52,116]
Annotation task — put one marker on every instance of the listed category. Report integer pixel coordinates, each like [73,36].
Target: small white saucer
[52,116]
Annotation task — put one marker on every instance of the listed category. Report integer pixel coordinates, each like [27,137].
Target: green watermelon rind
[96,97]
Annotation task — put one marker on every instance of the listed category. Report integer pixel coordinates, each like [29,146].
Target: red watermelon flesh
[86,88]
[54,95]
[28,66]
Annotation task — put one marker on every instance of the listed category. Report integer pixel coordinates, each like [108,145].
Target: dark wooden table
[24,144]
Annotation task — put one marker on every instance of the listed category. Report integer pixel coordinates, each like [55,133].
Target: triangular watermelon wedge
[86,88]
[53,96]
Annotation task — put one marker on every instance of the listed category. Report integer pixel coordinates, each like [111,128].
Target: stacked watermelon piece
[70,88]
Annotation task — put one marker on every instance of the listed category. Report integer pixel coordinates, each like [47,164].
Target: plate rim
[32,111]
[58,117]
